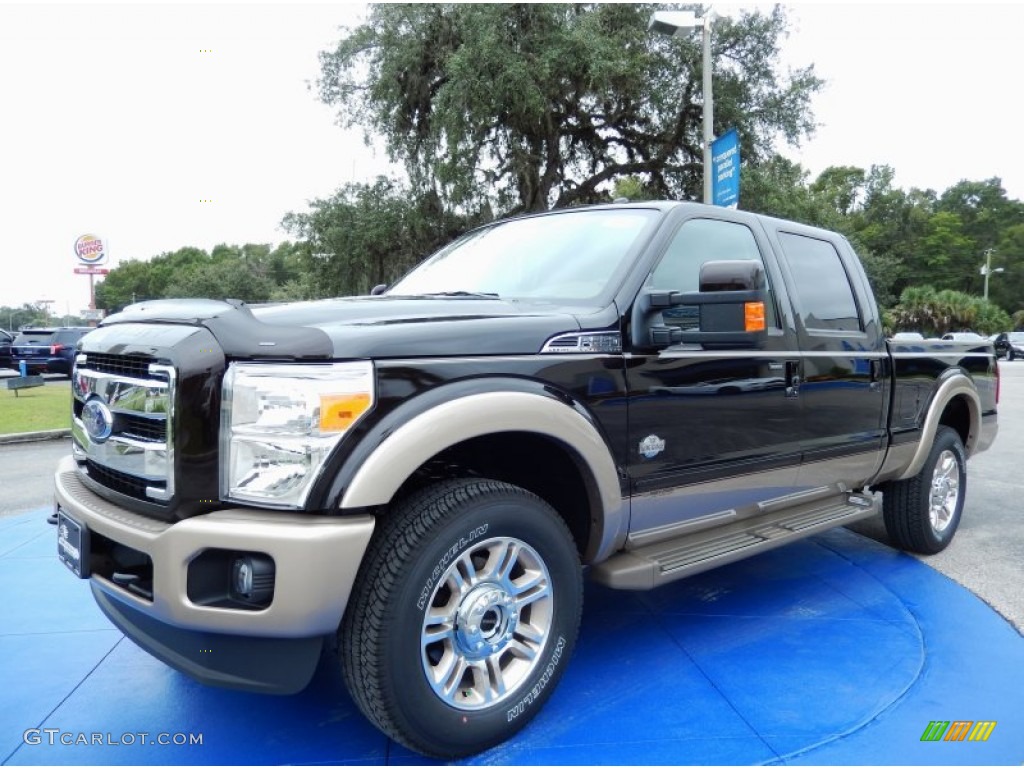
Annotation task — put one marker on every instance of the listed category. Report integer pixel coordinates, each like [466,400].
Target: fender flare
[417,440]
[956,385]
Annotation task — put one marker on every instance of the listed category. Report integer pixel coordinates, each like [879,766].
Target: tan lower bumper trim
[316,559]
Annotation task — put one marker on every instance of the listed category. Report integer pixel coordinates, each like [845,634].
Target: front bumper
[316,560]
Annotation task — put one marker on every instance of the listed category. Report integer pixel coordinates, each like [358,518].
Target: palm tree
[917,310]
[957,311]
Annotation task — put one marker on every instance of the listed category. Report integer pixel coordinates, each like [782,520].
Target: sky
[158,126]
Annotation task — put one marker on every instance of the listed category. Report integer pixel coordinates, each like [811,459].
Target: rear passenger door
[843,386]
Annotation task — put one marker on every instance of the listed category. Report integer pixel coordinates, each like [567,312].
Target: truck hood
[365,326]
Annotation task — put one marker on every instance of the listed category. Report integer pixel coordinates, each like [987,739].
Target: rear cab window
[820,284]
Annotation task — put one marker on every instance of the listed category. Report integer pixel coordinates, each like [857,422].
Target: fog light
[252,579]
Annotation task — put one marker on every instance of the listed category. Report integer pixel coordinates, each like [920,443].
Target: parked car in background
[5,348]
[1009,345]
[907,336]
[963,336]
[46,350]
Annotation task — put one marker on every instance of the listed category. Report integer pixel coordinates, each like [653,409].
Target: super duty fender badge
[651,446]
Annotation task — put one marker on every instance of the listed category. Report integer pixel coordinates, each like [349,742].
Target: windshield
[567,256]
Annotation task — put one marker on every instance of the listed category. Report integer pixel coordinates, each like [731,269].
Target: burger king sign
[90,250]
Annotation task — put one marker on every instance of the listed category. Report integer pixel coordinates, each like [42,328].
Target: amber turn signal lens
[338,412]
[753,316]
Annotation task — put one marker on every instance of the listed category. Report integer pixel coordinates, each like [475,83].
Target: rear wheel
[1009,354]
[923,512]
[463,617]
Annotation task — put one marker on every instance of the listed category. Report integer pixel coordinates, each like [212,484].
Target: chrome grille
[144,428]
[116,481]
[136,458]
[132,366]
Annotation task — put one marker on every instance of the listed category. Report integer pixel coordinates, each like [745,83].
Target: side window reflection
[696,242]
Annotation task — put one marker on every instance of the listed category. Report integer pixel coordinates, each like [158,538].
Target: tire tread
[905,502]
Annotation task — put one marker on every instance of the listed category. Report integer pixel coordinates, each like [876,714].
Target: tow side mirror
[728,310]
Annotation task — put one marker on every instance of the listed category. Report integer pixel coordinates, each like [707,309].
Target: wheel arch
[956,404]
[509,436]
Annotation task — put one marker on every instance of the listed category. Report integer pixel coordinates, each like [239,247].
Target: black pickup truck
[419,480]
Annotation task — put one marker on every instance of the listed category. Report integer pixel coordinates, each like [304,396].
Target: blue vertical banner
[725,164]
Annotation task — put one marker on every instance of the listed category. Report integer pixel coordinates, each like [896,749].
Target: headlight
[280,422]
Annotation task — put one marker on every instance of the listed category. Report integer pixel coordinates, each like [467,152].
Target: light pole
[678,24]
[987,270]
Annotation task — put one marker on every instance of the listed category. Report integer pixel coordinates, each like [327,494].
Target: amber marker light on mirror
[753,316]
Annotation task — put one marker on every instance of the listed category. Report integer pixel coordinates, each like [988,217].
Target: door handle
[876,376]
[792,378]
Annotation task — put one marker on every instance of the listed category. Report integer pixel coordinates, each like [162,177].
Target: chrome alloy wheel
[945,491]
[487,623]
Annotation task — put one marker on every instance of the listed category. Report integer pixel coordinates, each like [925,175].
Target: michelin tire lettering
[446,558]
[538,688]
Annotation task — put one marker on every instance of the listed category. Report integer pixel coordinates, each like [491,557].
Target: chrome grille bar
[141,441]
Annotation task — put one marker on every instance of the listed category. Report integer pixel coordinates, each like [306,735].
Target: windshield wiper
[474,294]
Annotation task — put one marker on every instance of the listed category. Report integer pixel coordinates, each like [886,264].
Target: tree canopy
[34,314]
[906,239]
[521,107]
[251,272]
[498,109]
[934,313]
[368,234]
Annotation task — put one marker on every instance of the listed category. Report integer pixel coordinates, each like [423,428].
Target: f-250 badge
[651,446]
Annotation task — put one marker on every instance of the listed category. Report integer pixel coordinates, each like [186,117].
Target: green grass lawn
[35,409]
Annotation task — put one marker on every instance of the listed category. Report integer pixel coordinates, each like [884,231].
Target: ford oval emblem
[98,420]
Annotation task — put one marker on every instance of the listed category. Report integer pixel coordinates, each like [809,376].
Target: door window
[699,241]
[820,284]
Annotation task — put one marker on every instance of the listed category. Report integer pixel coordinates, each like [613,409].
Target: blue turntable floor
[834,650]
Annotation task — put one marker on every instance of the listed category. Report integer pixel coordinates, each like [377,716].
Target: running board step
[656,564]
